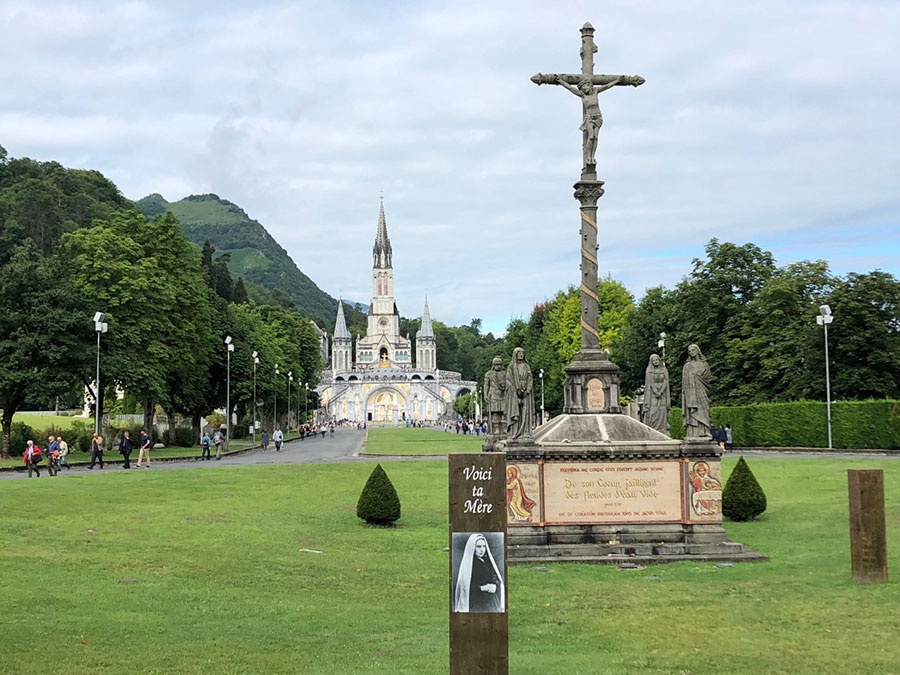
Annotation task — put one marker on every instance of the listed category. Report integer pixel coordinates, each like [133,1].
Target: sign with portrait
[479,626]
[477,572]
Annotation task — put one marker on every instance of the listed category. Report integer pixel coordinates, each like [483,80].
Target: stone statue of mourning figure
[696,379]
[519,398]
[657,401]
[495,402]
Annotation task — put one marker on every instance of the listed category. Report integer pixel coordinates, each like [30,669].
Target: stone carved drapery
[657,400]
[696,379]
[519,397]
[495,397]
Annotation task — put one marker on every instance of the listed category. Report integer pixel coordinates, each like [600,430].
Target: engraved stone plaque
[595,398]
[615,492]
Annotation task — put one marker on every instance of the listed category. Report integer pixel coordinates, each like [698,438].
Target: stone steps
[647,552]
[747,556]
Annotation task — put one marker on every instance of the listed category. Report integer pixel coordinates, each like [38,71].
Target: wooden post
[479,627]
[868,540]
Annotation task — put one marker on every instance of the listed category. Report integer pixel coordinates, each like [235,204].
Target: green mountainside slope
[255,255]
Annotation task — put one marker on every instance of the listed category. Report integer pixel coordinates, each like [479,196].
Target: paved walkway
[344,447]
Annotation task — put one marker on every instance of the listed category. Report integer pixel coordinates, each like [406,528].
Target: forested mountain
[252,252]
[72,245]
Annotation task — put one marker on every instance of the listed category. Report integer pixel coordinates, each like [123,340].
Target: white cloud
[771,122]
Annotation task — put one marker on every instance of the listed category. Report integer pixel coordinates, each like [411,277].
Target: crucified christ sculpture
[593,120]
[587,86]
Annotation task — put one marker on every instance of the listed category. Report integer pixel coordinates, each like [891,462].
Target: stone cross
[588,190]
[587,86]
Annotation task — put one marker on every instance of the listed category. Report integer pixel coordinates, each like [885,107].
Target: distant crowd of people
[469,426]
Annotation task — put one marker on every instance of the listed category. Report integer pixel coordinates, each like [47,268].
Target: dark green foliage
[34,358]
[19,434]
[78,436]
[152,205]
[804,424]
[378,503]
[743,497]
[256,256]
[185,438]
[865,337]
[239,294]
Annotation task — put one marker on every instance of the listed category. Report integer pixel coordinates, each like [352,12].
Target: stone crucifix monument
[595,485]
[591,383]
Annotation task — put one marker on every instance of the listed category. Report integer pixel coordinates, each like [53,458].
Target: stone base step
[647,553]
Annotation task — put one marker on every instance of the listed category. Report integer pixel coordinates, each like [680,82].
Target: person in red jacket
[31,458]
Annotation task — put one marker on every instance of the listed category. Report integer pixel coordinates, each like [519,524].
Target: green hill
[255,255]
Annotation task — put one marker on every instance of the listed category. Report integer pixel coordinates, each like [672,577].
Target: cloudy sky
[771,122]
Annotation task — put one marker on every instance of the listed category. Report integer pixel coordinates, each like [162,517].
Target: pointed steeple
[426,330]
[340,325]
[381,251]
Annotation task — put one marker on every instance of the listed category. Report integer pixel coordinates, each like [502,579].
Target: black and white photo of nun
[479,583]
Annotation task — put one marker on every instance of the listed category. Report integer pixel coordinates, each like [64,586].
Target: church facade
[379,378]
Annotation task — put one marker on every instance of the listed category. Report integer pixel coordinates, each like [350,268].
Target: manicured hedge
[854,424]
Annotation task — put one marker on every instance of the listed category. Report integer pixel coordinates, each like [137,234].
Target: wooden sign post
[479,627]
[868,540]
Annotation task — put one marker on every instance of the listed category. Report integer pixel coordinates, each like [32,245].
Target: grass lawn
[202,571]
[41,421]
[403,441]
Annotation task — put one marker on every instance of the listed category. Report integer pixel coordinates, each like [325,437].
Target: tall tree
[775,338]
[45,336]
[864,340]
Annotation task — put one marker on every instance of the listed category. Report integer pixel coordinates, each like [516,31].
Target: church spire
[381,251]
[426,330]
[340,325]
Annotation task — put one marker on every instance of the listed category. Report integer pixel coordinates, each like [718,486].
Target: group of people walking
[218,439]
[57,449]
[304,430]
[57,452]
[126,447]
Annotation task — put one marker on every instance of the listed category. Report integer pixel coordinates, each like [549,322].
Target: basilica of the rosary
[382,380]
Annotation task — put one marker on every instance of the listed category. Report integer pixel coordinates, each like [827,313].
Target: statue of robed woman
[519,397]
[657,401]
[696,379]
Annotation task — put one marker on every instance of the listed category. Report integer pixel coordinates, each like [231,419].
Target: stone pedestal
[604,488]
[592,383]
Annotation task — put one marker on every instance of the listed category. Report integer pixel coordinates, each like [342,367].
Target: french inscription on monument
[595,398]
[612,492]
[479,628]
[523,494]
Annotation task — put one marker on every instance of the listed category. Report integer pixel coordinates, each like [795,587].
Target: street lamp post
[230,345]
[662,345]
[275,405]
[290,379]
[100,326]
[255,363]
[824,319]
[541,375]
[306,403]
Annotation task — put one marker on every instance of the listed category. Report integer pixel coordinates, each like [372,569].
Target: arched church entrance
[386,405]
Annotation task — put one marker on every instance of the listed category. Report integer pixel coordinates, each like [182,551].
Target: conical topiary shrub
[378,503]
[743,497]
